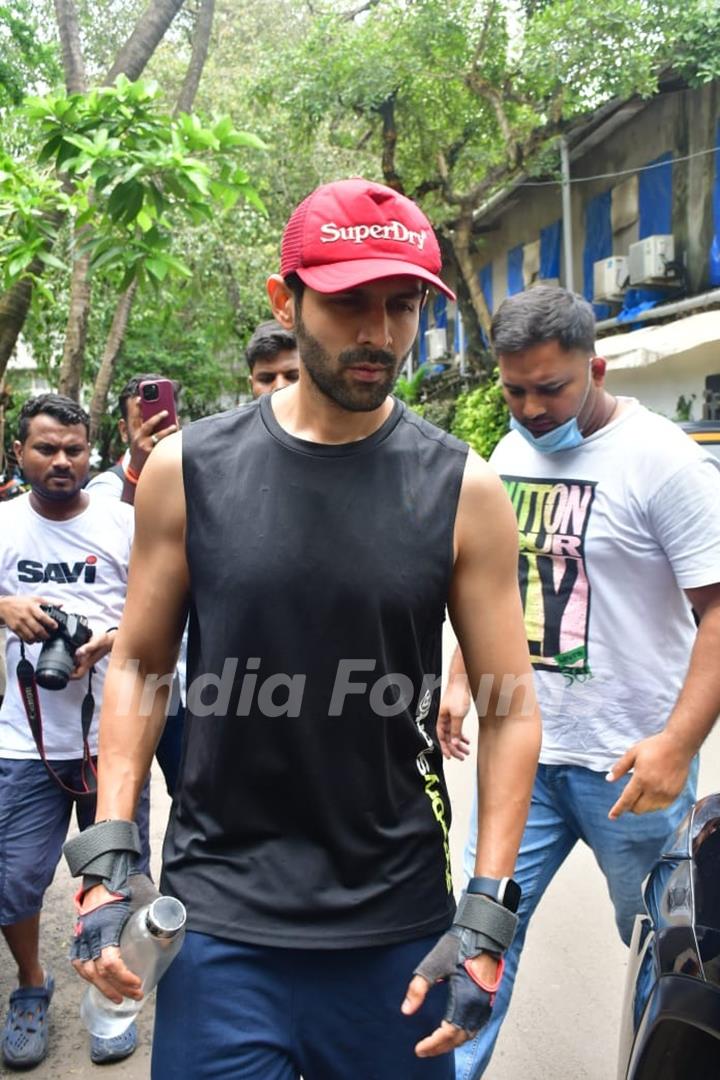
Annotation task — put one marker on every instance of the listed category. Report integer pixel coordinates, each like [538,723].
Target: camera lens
[151,392]
[55,663]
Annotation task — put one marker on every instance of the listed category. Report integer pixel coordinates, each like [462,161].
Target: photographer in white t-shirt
[59,546]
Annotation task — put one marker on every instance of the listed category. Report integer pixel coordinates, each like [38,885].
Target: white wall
[660,385]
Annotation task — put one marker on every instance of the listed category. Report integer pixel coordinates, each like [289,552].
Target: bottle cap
[166,917]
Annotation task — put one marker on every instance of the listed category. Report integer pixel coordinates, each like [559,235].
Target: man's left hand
[88,655]
[448,1036]
[660,767]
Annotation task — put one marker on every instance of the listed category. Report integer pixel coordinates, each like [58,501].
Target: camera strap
[31,700]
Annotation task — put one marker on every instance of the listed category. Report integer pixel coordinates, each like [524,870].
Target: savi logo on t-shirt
[552,519]
[30,571]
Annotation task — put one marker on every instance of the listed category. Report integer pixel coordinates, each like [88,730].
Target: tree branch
[389,144]
[149,31]
[348,16]
[200,46]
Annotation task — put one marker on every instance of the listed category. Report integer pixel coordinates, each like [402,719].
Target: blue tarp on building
[715,243]
[550,239]
[515,282]
[422,345]
[655,197]
[486,284]
[655,217]
[598,244]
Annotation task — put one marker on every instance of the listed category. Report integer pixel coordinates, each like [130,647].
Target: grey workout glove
[481,925]
[106,854]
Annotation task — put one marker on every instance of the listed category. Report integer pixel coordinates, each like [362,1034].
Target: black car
[671,1014]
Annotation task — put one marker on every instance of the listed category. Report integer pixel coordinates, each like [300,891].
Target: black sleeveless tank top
[311,809]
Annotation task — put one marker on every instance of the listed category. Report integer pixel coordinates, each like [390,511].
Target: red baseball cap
[350,232]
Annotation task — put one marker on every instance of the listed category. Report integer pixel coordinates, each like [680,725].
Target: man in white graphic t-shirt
[61,547]
[619,520]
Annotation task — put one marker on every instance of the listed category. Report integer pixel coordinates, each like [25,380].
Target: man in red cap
[309,836]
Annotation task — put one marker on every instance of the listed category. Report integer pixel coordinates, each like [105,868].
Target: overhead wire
[620,172]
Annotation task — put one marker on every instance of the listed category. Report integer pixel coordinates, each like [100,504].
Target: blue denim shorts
[34,820]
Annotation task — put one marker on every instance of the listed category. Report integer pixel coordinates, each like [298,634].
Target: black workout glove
[481,925]
[103,925]
[106,854]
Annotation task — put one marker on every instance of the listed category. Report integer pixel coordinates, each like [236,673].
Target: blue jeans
[227,1011]
[570,803]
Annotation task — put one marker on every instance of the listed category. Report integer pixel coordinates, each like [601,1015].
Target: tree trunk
[72,57]
[111,352]
[149,31]
[461,247]
[200,46]
[144,38]
[73,361]
[98,405]
[14,306]
[79,308]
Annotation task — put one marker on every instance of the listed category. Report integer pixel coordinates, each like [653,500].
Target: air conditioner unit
[436,342]
[610,278]
[648,260]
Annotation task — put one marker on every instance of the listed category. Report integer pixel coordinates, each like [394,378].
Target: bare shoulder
[160,499]
[482,488]
[485,517]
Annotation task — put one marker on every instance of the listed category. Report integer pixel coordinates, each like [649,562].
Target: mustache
[365,355]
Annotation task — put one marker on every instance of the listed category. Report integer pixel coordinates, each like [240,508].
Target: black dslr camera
[57,656]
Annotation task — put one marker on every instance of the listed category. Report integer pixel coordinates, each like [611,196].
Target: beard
[55,494]
[331,376]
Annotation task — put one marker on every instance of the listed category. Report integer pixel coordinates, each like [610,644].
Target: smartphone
[157,395]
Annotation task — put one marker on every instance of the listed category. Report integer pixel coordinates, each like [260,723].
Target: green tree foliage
[135,174]
[25,59]
[697,50]
[481,416]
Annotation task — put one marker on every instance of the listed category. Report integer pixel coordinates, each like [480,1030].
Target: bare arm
[454,707]
[661,762]
[486,614]
[149,636]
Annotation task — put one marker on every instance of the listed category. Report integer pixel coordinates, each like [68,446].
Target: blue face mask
[565,437]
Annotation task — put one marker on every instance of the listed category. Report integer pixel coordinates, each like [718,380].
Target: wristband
[131,476]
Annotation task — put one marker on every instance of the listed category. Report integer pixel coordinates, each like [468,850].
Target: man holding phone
[148,414]
[145,419]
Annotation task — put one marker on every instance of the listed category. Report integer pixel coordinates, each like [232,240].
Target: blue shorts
[34,819]
[229,1011]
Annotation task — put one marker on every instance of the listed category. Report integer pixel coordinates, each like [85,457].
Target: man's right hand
[148,435]
[454,707]
[94,952]
[24,616]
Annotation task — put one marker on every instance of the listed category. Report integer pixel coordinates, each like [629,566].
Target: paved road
[564,1018]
